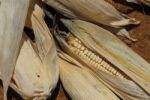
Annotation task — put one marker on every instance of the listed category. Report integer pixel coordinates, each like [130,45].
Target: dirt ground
[140,32]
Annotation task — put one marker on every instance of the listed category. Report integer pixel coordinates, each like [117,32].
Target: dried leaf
[36,73]
[31,79]
[96,11]
[12,17]
[147,2]
[31,8]
[46,46]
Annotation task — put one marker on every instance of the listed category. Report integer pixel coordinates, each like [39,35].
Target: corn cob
[121,72]
[80,83]
[94,60]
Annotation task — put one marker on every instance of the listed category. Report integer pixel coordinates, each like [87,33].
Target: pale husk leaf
[36,73]
[31,77]
[12,19]
[31,8]
[147,2]
[96,11]
[46,46]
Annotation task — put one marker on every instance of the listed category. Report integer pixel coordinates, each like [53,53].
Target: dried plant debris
[108,57]
[12,19]
[133,1]
[146,2]
[96,11]
[103,13]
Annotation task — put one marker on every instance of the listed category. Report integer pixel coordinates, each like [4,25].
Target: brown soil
[141,32]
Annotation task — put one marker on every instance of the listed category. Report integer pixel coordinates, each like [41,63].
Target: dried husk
[115,52]
[46,47]
[12,19]
[36,72]
[80,83]
[147,2]
[32,77]
[96,11]
[31,8]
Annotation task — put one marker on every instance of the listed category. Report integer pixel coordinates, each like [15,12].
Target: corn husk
[32,77]
[36,72]
[79,83]
[31,8]
[46,47]
[96,11]
[105,44]
[147,2]
[12,19]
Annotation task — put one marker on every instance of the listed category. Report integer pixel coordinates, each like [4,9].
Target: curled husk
[96,11]
[132,80]
[12,20]
[80,83]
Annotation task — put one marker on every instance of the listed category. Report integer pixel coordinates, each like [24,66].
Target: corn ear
[31,77]
[132,71]
[12,19]
[36,72]
[96,11]
[79,83]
